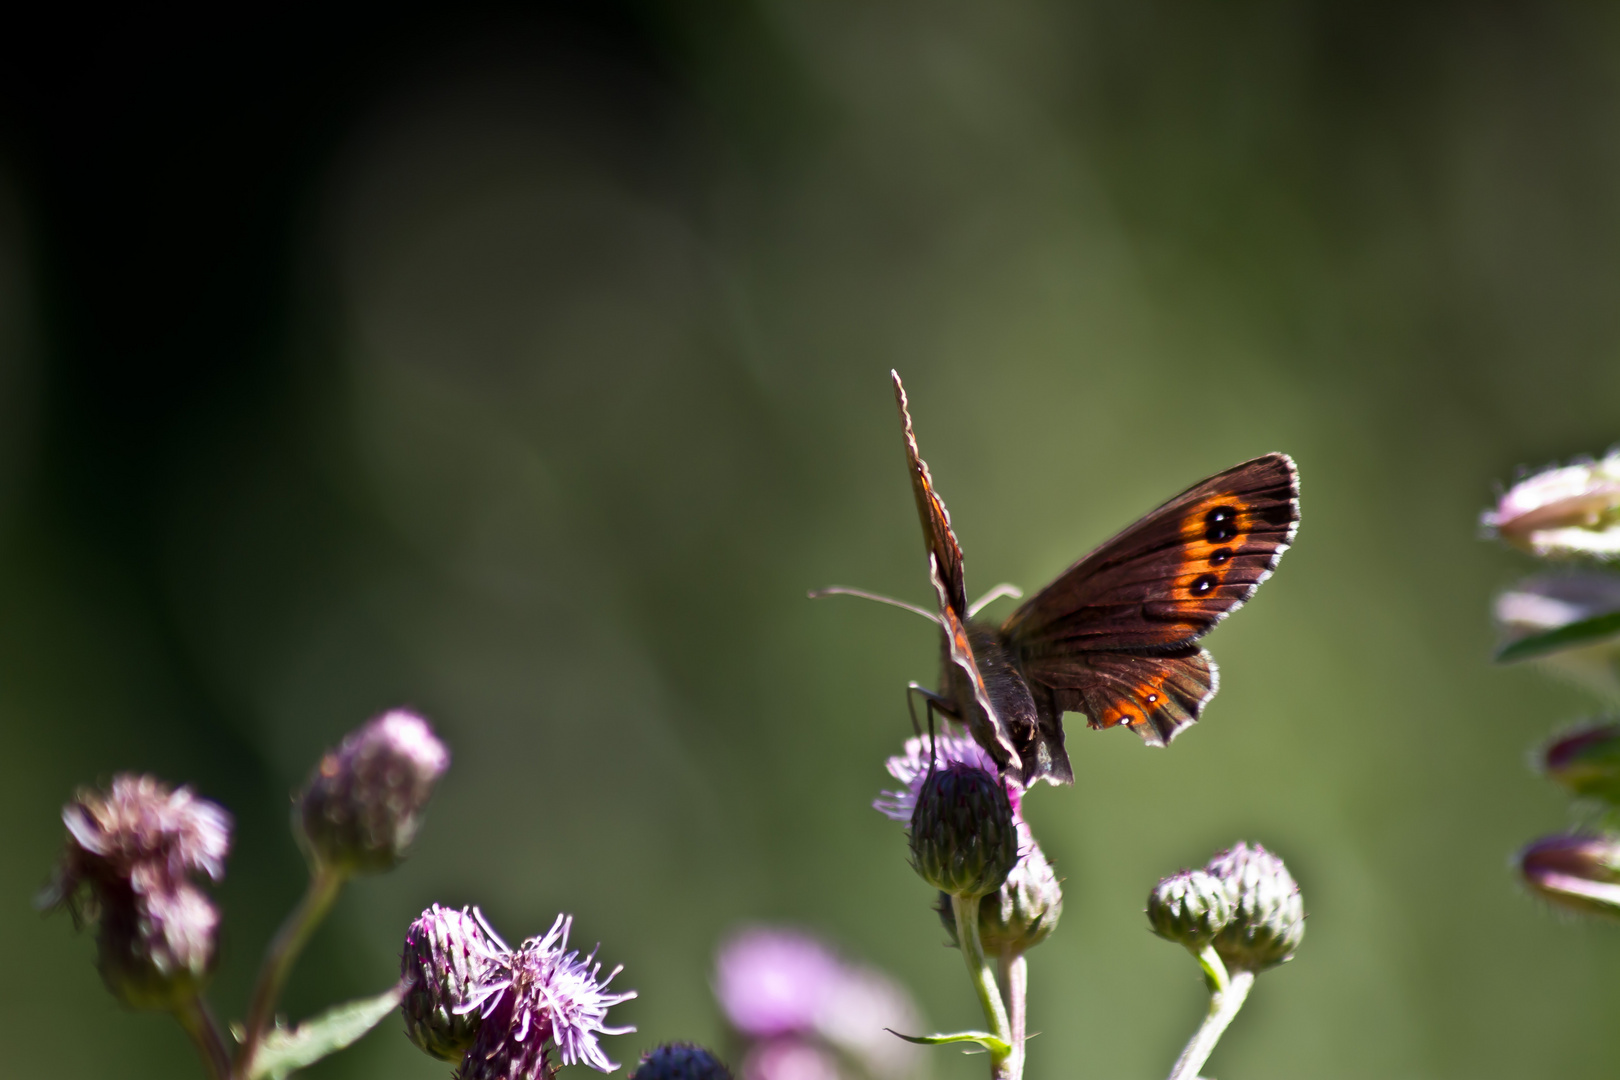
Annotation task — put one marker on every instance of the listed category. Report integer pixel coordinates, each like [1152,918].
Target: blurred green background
[527,364]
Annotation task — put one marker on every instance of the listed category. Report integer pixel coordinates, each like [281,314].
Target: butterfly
[1115,635]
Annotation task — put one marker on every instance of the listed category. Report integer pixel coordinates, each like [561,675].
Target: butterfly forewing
[936,521]
[1172,576]
[974,706]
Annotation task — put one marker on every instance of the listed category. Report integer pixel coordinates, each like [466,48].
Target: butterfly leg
[932,702]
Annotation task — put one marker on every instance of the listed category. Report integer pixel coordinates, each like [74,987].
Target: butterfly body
[1113,636]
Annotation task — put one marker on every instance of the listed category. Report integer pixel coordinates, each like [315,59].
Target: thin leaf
[983,1038]
[287,1049]
[1569,636]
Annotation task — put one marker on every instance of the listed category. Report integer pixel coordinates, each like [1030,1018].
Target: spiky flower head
[964,840]
[1023,912]
[1268,915]
[131,858]
[1189,908]
[445,957]
[911,769]
[538,996]
[1577,872]
[364,801]
[680,1061]
[1569,510]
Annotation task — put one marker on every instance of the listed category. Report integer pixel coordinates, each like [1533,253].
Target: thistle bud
[1581,873]
[363,804]
[131,855]
[1586,761]
[680,1061]
[1548,602]
[1023,912]
[1573,510]
[1189,908]
[963,840]
[1268,916]
[446,955]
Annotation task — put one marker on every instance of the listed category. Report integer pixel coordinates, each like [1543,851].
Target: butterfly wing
[936,522]
[1149,593]
[968,690]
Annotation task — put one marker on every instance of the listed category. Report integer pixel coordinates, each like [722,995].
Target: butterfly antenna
[840,590]
[1004,589]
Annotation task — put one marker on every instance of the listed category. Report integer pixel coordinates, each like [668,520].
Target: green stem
[1015,975]
[199,1024]
[984,983]
[324,886]
[1227,992]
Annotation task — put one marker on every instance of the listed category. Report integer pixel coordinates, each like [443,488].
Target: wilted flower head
[1189,908]
[911,768]
[131,855]
[680,1061]
[1268,916]
[788,990]
[1549,601]
[1573,510]
[445,958]
[363,804]
[1580,873]
[537,995]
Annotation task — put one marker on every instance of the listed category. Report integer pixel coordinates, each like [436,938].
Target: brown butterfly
[1114,636]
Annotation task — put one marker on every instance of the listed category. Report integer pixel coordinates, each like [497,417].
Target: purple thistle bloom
[911,769]
[537,994]
[774,982]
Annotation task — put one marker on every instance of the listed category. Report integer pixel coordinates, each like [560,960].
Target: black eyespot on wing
[1201,586]
[1220,524]
[1220,556]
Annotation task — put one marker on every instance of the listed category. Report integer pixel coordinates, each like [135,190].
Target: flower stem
[1226,996]
[1015,974]
[324,886]
[199,1024]
[984,983]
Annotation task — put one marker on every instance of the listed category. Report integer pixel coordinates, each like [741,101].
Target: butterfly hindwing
[1168,579]
[1157,695]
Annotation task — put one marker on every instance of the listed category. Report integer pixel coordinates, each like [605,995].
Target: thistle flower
[1547,602]
[790,1059]
[1573,510]
[130,858]
[680,1061]
[1580,873]
[911,769]
[1189,908]
[446,955]
[363,803]
[1268,916]
[774,982]
[964,840]
[536,996]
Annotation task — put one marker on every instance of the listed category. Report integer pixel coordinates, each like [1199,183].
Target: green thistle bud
[1268,916]
[1189,908]
[1586,761]
[1580,873]
[445,957]
[680,1061]
[363,805]
[963,841]
[1023,912]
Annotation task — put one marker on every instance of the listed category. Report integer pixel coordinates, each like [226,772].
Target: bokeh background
[527,365]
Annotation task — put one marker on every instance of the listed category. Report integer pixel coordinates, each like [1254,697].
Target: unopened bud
[1586,761]
[1581,873]
[446,955]
[1573,510]
[1023,912]
[157,951]
[1268,916]
[963,840]
[680,1061]
[364,802]
[1547,602]
[1189,908]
